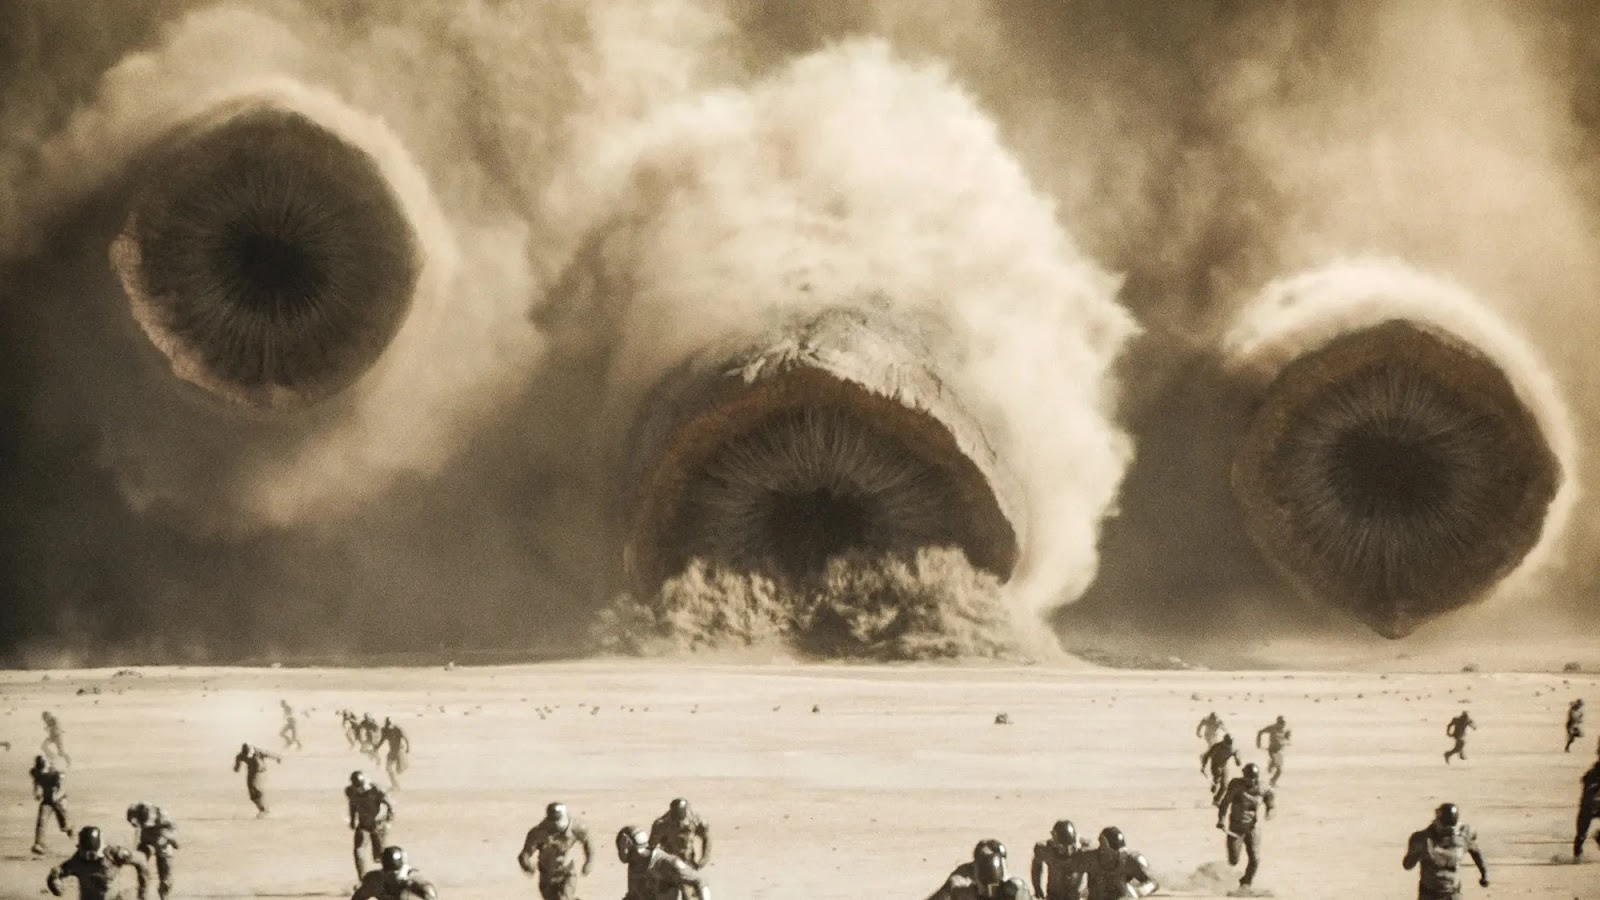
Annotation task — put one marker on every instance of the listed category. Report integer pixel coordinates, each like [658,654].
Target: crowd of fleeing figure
[663,863]
[666,861]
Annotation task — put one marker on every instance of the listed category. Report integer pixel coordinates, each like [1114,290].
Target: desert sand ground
[877,794]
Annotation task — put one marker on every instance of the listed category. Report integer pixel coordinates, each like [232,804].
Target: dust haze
[1060,236]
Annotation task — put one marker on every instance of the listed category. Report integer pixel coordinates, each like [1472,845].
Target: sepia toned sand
[878,794]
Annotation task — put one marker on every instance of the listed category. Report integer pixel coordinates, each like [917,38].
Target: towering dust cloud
[372,327]
[266,257]
[854,332]
[1407,453]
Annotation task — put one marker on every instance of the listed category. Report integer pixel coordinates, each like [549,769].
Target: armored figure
[394,880]
[1114,871]
[655,874]
[254,760]
[1215,762]
[1244,804]
[156,837]
[551,843]
[1056,875]
[96,867]
[1457,731]
[52,797]
[1277,735]
[1588,808]
[984,878]
[676,830]
[370,815]
[1438,849]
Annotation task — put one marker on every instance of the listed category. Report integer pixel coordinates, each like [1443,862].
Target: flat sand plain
[876,794]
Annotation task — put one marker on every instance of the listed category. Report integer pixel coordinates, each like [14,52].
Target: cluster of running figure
[666,862]
[663,863]
[1067,867]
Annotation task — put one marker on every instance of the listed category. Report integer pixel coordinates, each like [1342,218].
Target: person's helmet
[1447,815]
[1252,772]
[1065,833]
[1112,838]
[244,749]
[556,814]
[358,779]
[138,814]
[631,842]
[679,809]
[1281,721]
[89,839]
[394,859]
[1226,738]
[989,862]
[40,764]
[1578,702]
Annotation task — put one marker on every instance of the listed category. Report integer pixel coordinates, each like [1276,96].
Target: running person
[156,837]
[52,797]
[1277,735]
[655,874]
[290,732]
[1116,872]
[395,761]
[676,831]
[1244,805]
[553,841]
[96,867]
[984,877]
[1054,871]
[52,746]
[370,815]
[1457,730]
[1588,809]
[1438,849]
[254,760]
[1215,761]
[394,880]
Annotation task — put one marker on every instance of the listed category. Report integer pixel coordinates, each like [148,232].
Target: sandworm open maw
[1407,456]
[830,435]
[266,254]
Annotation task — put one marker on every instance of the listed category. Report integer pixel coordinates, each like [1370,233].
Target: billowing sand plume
[846,312]
[779,331]
[1408,455]
[268,258]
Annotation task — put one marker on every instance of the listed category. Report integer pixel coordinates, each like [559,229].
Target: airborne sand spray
[852,181]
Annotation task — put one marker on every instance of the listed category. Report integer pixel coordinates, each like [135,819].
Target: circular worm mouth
[268,258]
[1394,472]
[806,462]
